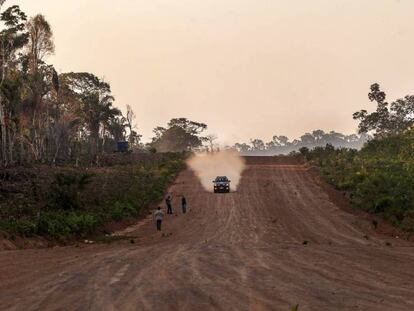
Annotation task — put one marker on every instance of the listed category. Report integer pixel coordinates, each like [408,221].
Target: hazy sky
[247,68]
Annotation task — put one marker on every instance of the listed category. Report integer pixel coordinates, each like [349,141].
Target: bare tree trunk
[2,110]
[12,137]
[11,148]
[22,151]
[56,154]
[103,140]
[3,135]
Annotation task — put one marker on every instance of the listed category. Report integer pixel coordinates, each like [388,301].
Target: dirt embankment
[278,241]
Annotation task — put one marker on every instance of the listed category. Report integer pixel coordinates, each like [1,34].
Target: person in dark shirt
[184,204]
[168,202]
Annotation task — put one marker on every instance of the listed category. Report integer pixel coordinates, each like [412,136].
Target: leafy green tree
[318,135]
[277,141]
[12,38]
[91,99]
[388,118]
[257,144]
[308,139]
[181,134]
[97,110]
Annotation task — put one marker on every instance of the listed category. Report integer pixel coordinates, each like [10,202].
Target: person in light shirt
[158,216]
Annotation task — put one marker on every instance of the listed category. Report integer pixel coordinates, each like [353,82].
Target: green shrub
[53,225]
[121,210]
[81,224]
[64,224]
[22,227]
[379,177]
[65,190]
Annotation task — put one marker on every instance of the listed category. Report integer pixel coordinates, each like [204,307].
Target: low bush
[21,227]
[121,210]
[65,190]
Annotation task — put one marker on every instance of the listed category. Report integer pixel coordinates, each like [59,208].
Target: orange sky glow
[247,68]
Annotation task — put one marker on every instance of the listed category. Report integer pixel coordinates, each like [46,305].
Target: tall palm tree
[97,110]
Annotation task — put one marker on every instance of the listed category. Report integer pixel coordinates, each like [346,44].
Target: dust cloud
[224,163]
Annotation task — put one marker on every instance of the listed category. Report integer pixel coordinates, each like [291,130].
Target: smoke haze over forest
[207,154]
[247,69]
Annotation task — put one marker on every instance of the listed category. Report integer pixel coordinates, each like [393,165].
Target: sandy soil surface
[276,242]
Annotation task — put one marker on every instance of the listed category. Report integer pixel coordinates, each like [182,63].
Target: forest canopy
[48,117]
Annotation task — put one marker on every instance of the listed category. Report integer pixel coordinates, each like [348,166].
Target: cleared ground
[237,251]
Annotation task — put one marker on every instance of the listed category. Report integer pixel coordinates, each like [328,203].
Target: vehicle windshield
[221,179]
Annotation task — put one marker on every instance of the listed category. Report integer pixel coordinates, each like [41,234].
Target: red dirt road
[237,251]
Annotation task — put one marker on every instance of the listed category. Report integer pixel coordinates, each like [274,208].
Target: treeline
[48,117]
[283,145]
[380,177]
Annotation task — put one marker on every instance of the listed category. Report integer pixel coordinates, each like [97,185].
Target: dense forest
[48,117]
[52,118]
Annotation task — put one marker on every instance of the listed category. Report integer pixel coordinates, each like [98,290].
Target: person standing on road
[184,204]
[159,216]
[168,202]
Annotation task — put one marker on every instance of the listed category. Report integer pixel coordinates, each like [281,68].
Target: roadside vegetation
[61,203]
[380,177]
[61,172]
[60,176]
